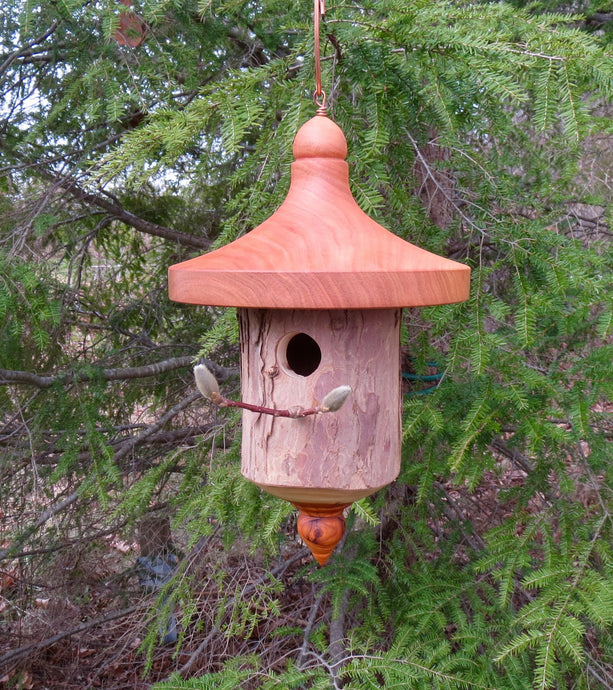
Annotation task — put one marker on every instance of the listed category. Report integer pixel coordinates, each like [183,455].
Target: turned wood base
[321,527]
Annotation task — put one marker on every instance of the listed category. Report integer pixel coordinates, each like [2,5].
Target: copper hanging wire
[319,9]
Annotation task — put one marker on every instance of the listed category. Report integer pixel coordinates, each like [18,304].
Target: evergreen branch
[246,592]
[427,670]
[8,377]
[524,51]
[552,626]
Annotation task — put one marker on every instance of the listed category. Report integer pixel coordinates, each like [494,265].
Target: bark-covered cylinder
[294,358]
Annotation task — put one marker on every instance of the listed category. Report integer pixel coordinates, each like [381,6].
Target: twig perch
[207,385]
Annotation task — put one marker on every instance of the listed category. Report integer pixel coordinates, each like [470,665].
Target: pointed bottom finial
[321,527]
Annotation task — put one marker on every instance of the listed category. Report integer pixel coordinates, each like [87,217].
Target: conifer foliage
[480,131]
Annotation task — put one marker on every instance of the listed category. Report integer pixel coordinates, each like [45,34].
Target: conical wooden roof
[319,250]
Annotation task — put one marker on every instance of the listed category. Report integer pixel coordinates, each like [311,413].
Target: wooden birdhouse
[319,288]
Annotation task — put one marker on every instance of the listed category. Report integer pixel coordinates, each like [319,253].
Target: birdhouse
[319,288]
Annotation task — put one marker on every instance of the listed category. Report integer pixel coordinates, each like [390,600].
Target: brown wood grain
[319,250]
[321,527]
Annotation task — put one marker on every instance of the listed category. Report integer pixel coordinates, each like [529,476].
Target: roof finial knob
[320,137]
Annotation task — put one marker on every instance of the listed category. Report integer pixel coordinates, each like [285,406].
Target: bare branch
[16,654]
[309,626]
[599,18]
[113,207]
[8,376]
[43,517]
[24,51]
[173,412]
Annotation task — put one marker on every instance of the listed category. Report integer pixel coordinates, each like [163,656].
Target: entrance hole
[303,354]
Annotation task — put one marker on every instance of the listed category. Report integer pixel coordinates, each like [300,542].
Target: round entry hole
[303,354]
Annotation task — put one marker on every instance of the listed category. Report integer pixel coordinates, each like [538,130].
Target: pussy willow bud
[206,382]
[335,399]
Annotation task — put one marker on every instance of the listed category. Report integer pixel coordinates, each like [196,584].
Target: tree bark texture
[328,458]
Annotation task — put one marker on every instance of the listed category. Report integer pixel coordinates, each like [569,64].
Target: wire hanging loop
[319,9]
